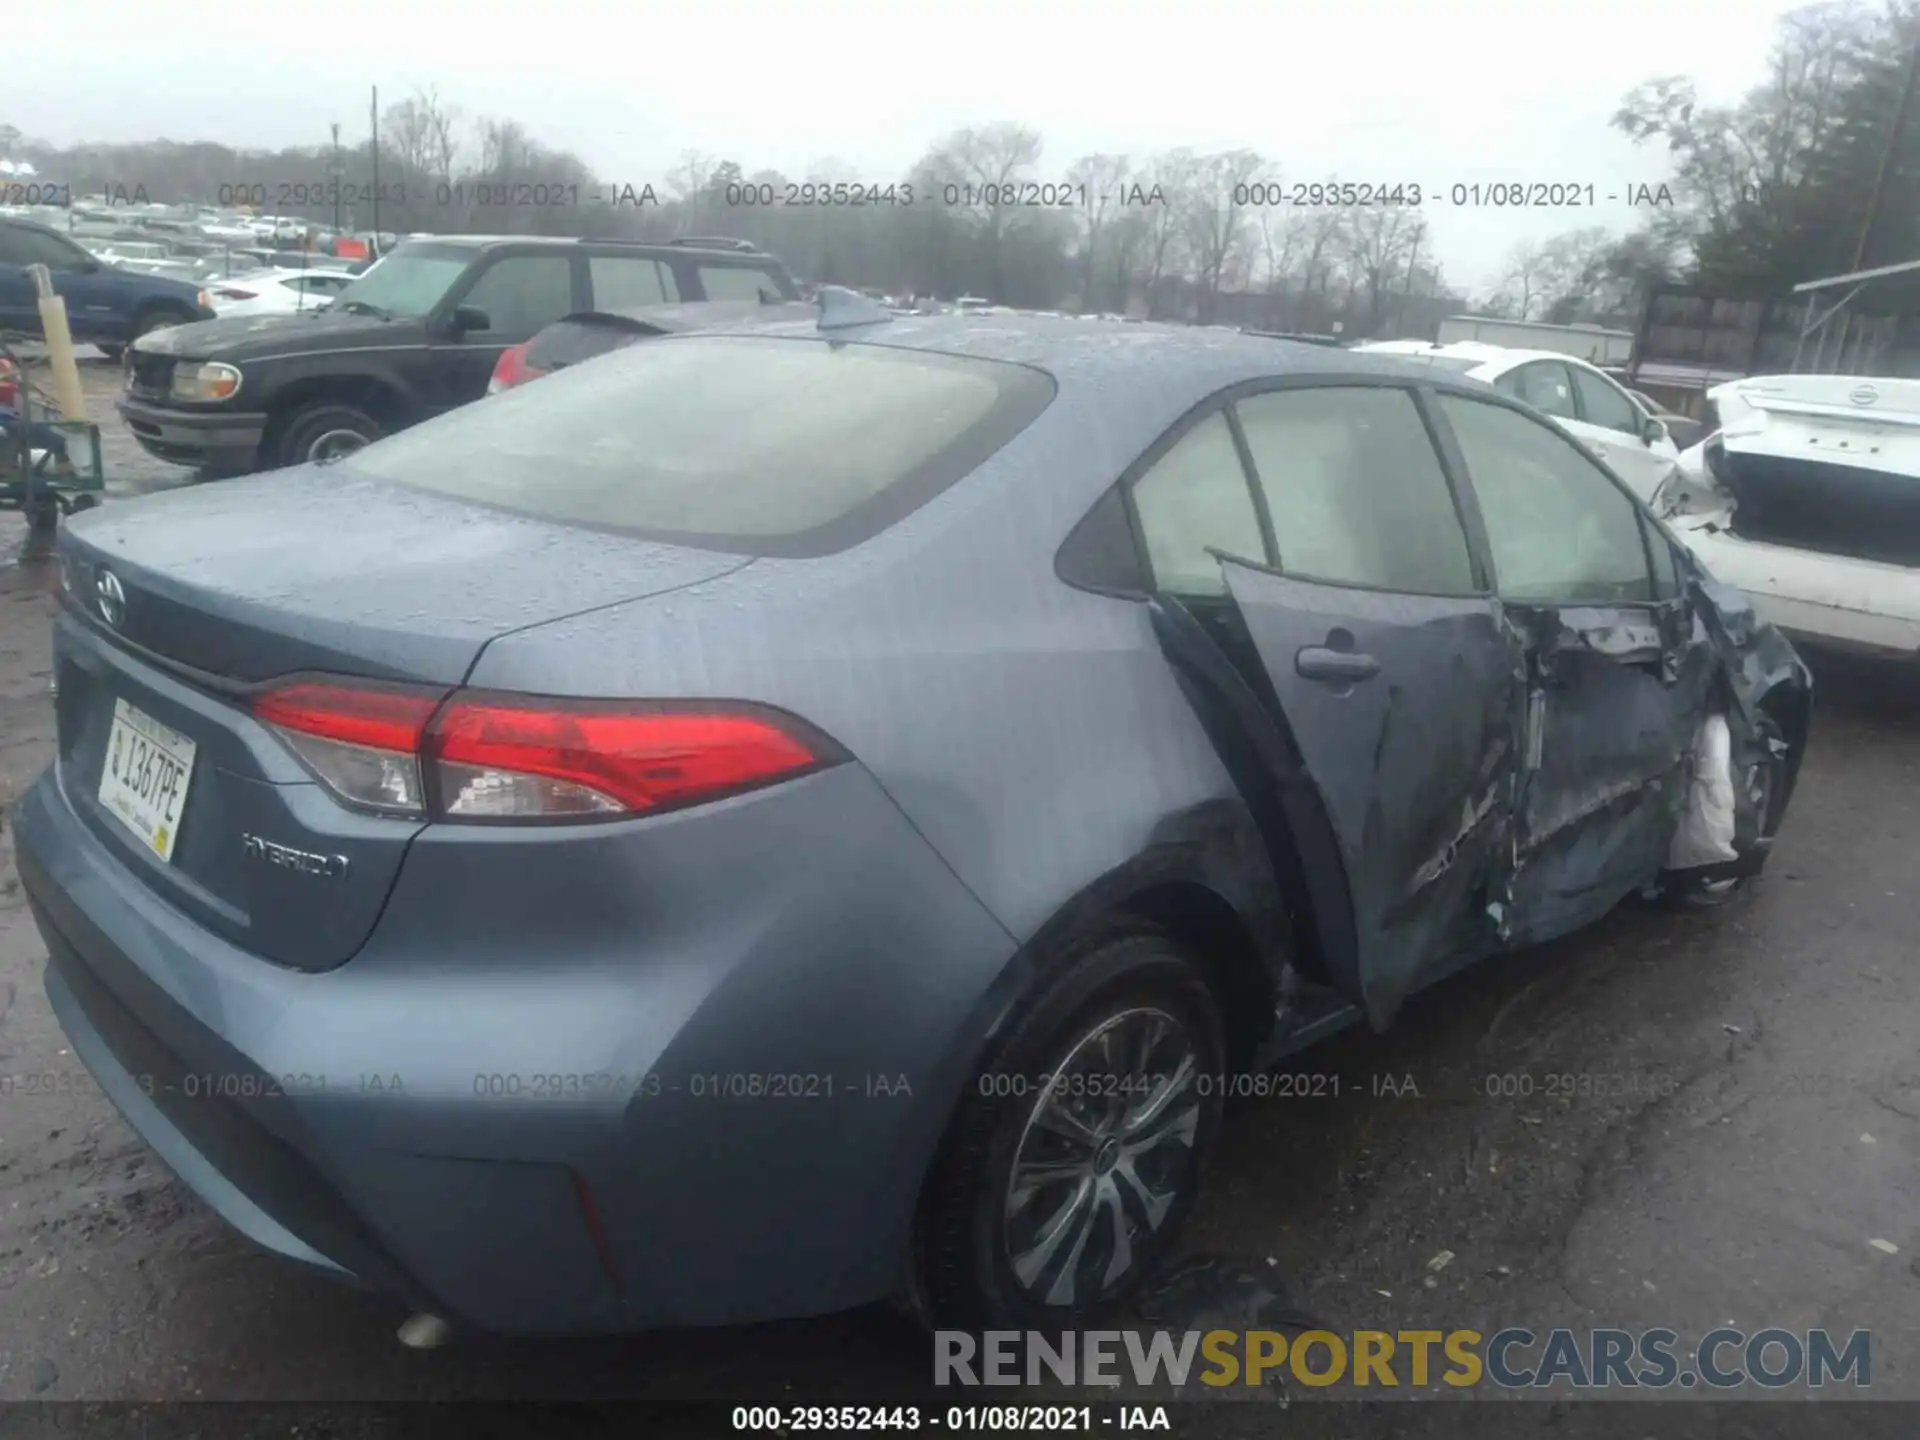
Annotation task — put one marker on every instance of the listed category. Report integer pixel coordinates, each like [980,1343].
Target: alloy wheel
[1108,1149]
[334,445]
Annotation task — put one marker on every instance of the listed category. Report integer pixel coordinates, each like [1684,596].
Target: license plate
[145,778]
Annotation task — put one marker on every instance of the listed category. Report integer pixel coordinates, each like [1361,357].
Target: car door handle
[1316,662]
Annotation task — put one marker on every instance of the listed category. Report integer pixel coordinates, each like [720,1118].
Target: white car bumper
[1836,599]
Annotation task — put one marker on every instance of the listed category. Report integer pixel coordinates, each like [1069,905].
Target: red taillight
[9,385]
[384,719]
[512,369]
[226,294]
[479,756]
[363,742]
[503,755]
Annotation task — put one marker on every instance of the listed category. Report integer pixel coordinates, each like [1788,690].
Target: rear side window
[1193,500]
[750,444]
[1356,491]
[738,282]
[626,282]
[1543,385]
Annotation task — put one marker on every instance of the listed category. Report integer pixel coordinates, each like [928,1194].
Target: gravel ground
[1745,1148]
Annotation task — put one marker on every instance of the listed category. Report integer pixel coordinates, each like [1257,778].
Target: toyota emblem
[111,599]
[1863,395]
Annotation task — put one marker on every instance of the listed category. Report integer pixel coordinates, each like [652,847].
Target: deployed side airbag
[1705,833]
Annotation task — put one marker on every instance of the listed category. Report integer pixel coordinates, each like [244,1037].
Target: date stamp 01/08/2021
[1066,195]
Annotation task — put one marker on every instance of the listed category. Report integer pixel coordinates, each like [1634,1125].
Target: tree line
[1769,191]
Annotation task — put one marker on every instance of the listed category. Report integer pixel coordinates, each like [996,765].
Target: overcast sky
[1375,90]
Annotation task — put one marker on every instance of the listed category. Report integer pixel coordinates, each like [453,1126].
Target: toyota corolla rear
[547,1013]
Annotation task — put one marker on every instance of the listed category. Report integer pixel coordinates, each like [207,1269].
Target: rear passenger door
[1614,673]
[1361,613]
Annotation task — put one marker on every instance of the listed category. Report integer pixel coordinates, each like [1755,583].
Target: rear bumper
[221,442]
[426,1119]
[1866,606]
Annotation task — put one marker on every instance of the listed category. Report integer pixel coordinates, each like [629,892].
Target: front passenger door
[520,295]
[1615,428]
[1614,676]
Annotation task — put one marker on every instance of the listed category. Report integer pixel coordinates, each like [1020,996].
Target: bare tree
[1173,176]
[1524,278]
[1325,241]
[1382,242]
[1282,232]
[988,160]
[441,122]
[1100,177]
[1570,266]
[691,183]
[1215,214]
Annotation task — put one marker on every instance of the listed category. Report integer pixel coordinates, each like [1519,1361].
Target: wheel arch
[1203,879]
[379,397]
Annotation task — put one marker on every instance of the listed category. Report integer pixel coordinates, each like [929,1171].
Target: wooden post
[67,393]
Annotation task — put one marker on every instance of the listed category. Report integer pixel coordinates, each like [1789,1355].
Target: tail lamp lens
[512,369]
[476,756]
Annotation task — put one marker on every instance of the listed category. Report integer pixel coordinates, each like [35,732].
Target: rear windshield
[756,445]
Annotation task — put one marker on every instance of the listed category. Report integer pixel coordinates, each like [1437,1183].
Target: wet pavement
[1682,1120]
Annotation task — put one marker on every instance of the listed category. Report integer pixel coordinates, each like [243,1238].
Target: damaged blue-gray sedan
[765,822]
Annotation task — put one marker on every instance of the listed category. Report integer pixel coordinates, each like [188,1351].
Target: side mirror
[1652,430]
[468,317]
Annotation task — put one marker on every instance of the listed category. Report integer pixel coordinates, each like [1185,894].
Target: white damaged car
[1807,497]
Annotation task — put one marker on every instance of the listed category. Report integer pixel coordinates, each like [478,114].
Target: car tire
[1041,1211]
[325,431]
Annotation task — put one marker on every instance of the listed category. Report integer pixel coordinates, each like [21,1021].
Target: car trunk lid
[176,608]
[1828,463]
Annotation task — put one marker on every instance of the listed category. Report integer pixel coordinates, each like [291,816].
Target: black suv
[416,334]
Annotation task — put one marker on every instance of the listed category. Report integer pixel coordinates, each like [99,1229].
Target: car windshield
[408,283]
[748,444]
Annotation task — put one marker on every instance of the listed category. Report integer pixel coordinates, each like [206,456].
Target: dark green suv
[417,334]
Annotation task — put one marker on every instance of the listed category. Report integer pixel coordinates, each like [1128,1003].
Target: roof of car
[477,242]
[1192,359]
